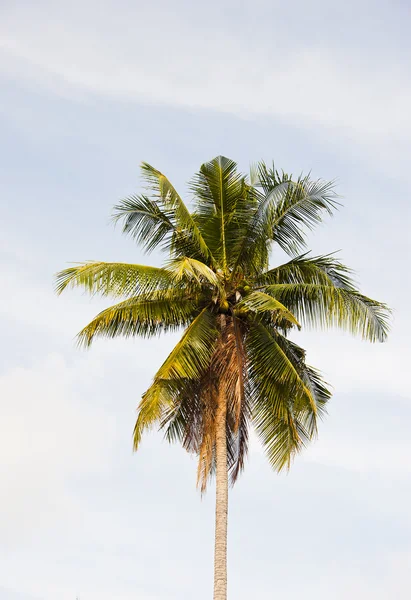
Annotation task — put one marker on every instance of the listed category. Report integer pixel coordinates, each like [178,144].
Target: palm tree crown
[236,311]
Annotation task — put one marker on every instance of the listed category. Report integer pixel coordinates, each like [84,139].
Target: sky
[89,90]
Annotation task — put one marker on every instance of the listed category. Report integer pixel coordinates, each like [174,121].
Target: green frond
[191,269]
[318,270]
[281,397]
[267,178]
[139,316]
[160,397]
[283,400]
[190,235]
[113,279]
[313,380]
[189,360]
[270,366]
[301,207]
[253,249]
[145,221]
[191,356]
[284,209]
[218,189]
[260,302]
[282,438]
[326,306]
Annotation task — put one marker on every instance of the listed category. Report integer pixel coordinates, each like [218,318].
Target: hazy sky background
[90,89]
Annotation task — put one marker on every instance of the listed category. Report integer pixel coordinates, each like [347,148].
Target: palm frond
[191,356]
[161,396]
[270,365]
[218,187]
[182,420]
[188,233]
[261,302]
[189,360]
[190,419]
[284,209]
[280,396]
[140,316]
[301,207]
[327,306]
[145,221]
[192,269]
[281,437]
[113,279]
[253,250]
[313,380]
[320,270]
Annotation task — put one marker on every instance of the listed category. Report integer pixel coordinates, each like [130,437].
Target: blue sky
[88,91]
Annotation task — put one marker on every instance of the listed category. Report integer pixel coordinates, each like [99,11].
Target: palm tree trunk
[221,509]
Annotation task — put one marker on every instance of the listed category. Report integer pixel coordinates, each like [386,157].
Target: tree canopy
[236,312]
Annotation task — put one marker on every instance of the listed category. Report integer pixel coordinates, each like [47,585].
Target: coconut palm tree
[235,365]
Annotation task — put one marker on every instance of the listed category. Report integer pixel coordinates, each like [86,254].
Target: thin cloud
[308,83]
